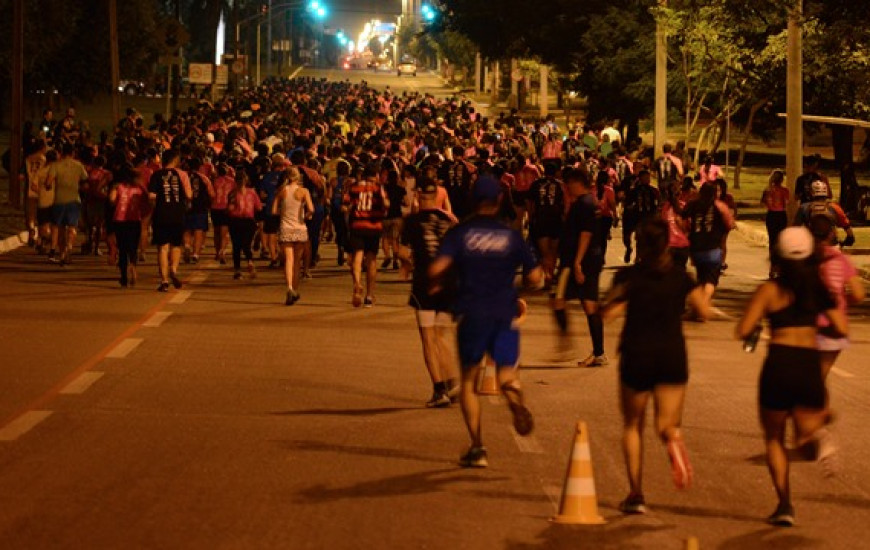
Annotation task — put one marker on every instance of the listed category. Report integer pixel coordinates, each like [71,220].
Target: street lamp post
[794,102]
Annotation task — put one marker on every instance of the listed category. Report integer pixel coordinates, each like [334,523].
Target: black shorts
[520,197]
[220,218]
[791,378]
[271,224]
[547,228]
[172,235]
[644,369]
[568,289]
[43,216]
[422,300]
[366,242]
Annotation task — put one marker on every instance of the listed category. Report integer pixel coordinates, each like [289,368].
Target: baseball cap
[487,188]
[795,243]
[819,188]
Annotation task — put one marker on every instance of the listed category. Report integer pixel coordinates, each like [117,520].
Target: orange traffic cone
[487,382]
[579,504]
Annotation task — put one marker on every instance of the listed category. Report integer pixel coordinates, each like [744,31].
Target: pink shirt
[223,185]
[836,269]
[677,238]
[130,203]
[711,174]
[776,198]
[247,203]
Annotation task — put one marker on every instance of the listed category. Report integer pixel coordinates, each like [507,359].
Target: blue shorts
[66,215]
[476,336]
[196,221]
[708,265]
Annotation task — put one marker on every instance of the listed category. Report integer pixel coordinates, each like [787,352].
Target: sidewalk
[755,233]
[12,234]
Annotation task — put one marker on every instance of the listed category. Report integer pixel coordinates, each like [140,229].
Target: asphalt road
[216,417]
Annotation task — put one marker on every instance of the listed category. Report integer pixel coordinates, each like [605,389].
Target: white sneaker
[594,361]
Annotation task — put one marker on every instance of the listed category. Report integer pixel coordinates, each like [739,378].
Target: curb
[11,243]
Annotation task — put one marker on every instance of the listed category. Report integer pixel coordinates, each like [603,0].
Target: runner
[335,197]
[292,205]
[422,234]
[130,200]
[223,186]
[580,267]
[366,204]
[546,206]
[65,177]
[484,255]
[196,217]
[653,362]
[242,207]
[791,383]
[641,202]
[396,195]
[169,188]
[821,205]
[709,220]
[775,199]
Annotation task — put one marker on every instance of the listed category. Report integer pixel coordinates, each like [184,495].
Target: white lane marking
[528,444]
[22,425]
[80,385]
[841,372]
[180,297]
[157,319]
[296,72]
[198,278]
[124,348]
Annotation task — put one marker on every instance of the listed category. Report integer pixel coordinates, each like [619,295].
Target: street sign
[222,75]
[238,66]
[175,36]
[200,73]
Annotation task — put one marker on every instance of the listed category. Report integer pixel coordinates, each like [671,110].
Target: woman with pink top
[678,239]
[843,282]
[708,173]
[131,203]
[224,184]
[775,198]
[242,205]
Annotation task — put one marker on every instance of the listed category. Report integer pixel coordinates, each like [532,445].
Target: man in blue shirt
[484,254]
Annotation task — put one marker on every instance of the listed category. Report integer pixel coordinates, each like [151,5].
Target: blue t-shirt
[486,254]
[267,189]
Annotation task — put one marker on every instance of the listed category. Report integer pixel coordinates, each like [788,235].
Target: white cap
[795,243]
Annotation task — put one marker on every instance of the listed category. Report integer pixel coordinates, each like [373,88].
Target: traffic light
[428,13]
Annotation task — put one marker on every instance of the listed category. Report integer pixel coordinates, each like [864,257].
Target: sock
[561,319]
[440,387]
[596,332]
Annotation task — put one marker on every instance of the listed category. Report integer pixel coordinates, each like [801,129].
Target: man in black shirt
[581,261]
[170,190]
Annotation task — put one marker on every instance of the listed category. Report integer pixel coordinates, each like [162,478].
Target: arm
[534,278]
[309,204]
[855,291]
[582,247]
[754,311]
[279,198]
[437,269]
[614,304]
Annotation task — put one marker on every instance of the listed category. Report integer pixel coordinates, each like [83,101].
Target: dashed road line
[528,444]
[157,319]
[180,297]
[840,372]
[198,278]
[82,383]
[22,425]
[124,348]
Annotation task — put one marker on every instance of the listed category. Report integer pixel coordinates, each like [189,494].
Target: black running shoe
[475,457]
[176,282]
[164,287]
[633,504]
[783,516]
[386,263]
[439,401]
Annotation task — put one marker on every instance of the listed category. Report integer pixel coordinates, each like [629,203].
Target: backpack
[820,208]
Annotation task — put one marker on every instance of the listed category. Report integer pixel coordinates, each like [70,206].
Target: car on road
[131,87]
[407,66]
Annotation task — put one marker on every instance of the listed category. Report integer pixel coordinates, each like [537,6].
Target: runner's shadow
[381,452]
[409,484]
[770,538]
[614,535]
[706,513]
[848,501]
[346,412]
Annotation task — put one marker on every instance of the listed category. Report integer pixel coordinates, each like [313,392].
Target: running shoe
[594,361]
[369,302]
[523,421]
[395,263]
[475,457]
[141,257]
[195,258]
[633,504]
[627,257]
[222,261]
[827,452]
[357,296]
[439,401]
[237,275]
[292,298]
[453,390]
[783,516]
[176,282]
[187,255]
[681,468]
[164,287]
[252,271]
[386,263]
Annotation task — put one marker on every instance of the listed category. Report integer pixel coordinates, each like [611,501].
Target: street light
[428,13]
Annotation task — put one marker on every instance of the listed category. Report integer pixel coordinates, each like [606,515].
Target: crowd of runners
[459,202]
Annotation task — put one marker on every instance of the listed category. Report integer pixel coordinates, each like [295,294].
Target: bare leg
[773,423]
[442,353]
[633,417]
[289,266]
[163,262]
[371,273]
[470,404]
[669,410]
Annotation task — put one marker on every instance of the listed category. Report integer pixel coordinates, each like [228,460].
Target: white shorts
[823,343]
[428,318]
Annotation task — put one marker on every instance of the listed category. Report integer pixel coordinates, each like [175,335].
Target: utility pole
[176,89]
[15,199]
[116,71]
[269,40]
[794,102]
[661,103]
